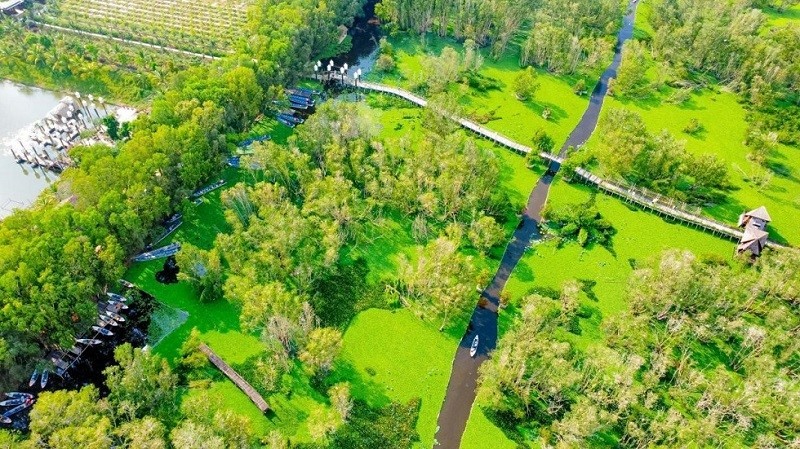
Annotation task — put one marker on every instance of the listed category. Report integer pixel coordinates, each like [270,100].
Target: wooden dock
[236,378]
[663,206]
[468,124]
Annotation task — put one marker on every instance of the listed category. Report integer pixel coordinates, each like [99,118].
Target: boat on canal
[34,378]
[45,378]
[474,348]
[104,320]
[88,341]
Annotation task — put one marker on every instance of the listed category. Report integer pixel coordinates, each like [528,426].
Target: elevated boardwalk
[663,206]
[236,378]
[468,124]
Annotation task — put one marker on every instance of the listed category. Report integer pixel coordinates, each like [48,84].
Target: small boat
[4,419]
[12,402]
[115,316]
[103,331]
[126,284]
[34,377]
[114,306]
[17,395]
[75,351]
[18,408]
[474,348]
[45,377]
[116,298]
[286,122]
[88,341]
[107,320]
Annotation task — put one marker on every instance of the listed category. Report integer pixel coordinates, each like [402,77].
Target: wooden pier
[663,206]
[236,378]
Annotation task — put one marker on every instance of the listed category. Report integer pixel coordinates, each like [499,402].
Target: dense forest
[707,355]
[57,257]
[545,33]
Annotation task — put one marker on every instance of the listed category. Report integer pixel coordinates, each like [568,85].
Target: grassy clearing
[517,120]
[480,431]
[789,16]
[392,355]
[723,119]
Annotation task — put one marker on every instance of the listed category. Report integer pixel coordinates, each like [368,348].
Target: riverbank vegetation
[601,274]
[729,105]
[113,202]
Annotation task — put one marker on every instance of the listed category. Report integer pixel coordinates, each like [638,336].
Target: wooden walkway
[468,124]
[663,206]
[236,378]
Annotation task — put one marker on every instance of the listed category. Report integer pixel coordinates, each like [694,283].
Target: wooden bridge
[236,378]
[468,124]
[663,206]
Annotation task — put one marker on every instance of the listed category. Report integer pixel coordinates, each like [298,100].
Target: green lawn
[409,359]
[723,118]
[517,120]
[775,18]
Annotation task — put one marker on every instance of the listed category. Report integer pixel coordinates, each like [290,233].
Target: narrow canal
[461,389]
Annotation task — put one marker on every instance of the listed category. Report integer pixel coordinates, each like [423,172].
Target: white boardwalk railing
[468,124]
[647,200]
[663,206]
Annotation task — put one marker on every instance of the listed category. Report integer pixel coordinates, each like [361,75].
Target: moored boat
[126,284]
[34,377]
[12,402]
[474,348]
[105,321]
[117,298]
[45,377]
[17,395]
[115,316]
[88,341]
[103,331]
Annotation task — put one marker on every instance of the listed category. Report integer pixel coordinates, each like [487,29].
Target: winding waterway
[20,107]
[461,389]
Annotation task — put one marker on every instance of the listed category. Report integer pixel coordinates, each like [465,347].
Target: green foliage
[580,221]
[321,349]
[439,284]
[631,80]
[542,142]
[385,63]
[203,270]
[390,427]
[719,335]
[658,162]
[112,126]
[580,87]
[694,127]
[142,384]
[525,85]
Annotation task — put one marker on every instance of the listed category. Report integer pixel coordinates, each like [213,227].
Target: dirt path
[461,389]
